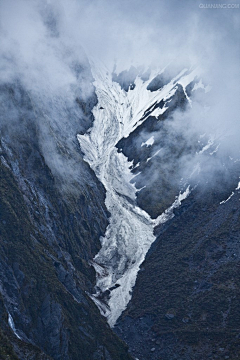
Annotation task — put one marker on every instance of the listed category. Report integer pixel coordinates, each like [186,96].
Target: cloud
[45,79]
[43,45]
[49,35]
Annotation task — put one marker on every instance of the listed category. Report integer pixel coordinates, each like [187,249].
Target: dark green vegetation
[50,224]
[186,301]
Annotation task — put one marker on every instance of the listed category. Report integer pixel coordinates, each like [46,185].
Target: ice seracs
[129,234]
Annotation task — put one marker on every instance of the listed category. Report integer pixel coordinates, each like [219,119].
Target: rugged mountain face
[119,115]
[185,304]
[186,298]
[92,190]
[52,214]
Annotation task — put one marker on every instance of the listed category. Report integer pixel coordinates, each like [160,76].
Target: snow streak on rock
[12,326]
[130,230]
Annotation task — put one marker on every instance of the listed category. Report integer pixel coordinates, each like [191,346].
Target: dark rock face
[158,165]
[159,81]
[50,223]
[171,72]
[126,78]
[186,298]
[185,303]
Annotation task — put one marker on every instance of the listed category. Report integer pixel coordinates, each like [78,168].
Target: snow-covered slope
[130,231]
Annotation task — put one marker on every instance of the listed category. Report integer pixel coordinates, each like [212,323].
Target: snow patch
[215,150]
[224,201]
[168,214]
[149,142]
[198,85]
[12,326]
[157,112]
[238,187]
[206,147]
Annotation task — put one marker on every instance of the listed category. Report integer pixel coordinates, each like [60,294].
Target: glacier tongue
[130,231]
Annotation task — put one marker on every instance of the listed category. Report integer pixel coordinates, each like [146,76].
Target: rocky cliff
[52,214]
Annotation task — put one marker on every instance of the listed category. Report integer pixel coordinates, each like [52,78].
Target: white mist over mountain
[43,41]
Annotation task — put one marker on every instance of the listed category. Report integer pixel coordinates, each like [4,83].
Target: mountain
[185,304]
[52,214]
[113,224]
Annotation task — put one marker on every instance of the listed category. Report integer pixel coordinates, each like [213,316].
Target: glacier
[130,232]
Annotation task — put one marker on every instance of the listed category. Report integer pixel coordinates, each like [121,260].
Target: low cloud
[44,46]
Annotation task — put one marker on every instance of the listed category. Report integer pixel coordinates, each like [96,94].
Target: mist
[46,47]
